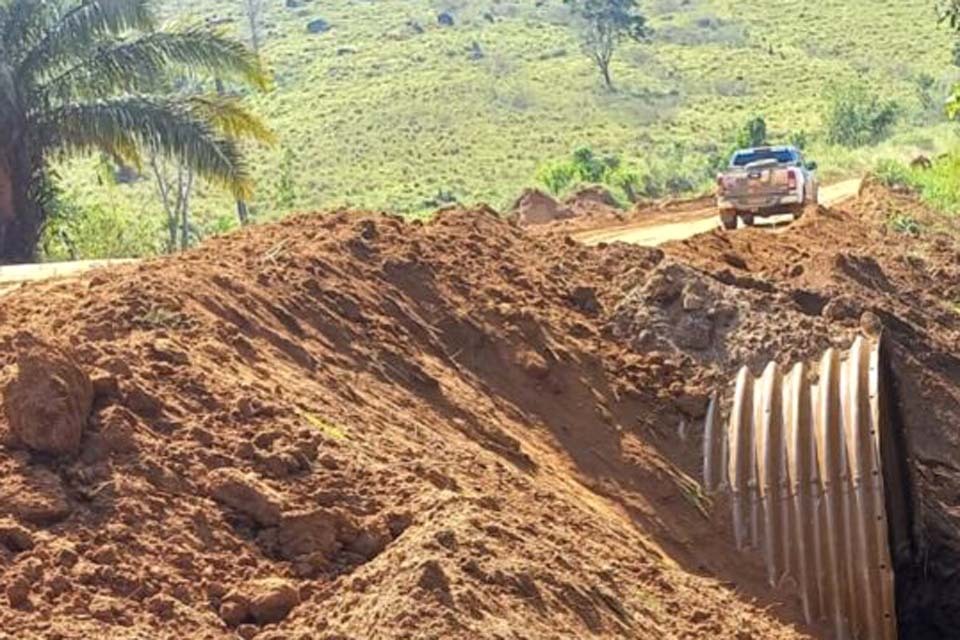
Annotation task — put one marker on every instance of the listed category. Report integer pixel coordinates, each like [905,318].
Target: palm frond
[82,29]
[22,25]
[134,66]
[125,127]
[228,116]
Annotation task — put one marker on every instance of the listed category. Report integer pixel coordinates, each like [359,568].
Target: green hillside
[389,109]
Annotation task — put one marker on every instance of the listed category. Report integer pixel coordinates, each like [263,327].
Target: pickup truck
[765,181]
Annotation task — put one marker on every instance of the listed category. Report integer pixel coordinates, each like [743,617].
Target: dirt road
[678,226]
[13,276]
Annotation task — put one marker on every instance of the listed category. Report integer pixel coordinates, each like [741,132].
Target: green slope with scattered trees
[407,105]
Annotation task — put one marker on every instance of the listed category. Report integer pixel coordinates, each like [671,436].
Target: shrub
[76,232]
[892,173]
[557,177]
[753,133]
[583,167]
[588,168]
[628,180]
[903,223]
[855,116]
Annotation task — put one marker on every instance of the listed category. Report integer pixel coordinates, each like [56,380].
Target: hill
[387,108]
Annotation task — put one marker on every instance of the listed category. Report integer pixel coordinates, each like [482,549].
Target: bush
[76,232]
[892,173]
[583,167]
[857,117]
[753,133]
[628,180]
[588,168]
[903,223]
[557,177]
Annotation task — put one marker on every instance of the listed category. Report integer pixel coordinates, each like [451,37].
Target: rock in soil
[265,601]
[246,494]
[48,399]
[34,495]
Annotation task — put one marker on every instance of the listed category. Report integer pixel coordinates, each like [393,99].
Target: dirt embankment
[350,426]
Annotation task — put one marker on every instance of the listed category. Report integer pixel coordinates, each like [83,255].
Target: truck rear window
[782,156]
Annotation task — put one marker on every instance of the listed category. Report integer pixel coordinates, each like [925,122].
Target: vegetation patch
[937,181]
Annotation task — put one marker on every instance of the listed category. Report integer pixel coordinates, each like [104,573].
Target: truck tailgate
[756,188]
[757,184]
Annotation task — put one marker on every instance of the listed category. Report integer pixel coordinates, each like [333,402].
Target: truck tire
[747,219]
[728,219]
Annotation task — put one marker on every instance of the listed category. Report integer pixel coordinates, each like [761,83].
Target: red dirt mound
[349,426]
[534,207]
[594,203]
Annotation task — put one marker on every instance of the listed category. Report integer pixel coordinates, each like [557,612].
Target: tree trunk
[184,229]
[253,15]
[21,217]
[605,70]
[243,213]
[184,204]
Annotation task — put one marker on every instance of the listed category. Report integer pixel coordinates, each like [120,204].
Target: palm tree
[83,78]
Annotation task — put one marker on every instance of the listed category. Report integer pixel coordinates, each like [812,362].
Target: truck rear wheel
[747,219]
[728,218]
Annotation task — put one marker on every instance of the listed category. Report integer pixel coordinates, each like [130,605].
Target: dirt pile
[722,321]
[349,426]
[537,209]
[352,426]
[534,207]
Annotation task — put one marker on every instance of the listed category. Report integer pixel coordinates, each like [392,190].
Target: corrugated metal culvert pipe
[802,459]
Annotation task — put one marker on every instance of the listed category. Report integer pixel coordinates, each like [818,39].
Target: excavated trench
[924,546]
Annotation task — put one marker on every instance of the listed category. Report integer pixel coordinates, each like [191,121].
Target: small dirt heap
[535,207]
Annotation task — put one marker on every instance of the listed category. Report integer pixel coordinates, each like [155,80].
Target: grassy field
[390,110]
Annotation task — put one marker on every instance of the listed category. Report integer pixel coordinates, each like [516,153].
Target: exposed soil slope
[347,426]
